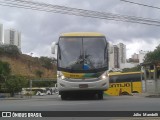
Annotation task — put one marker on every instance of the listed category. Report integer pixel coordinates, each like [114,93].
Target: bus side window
[136,77]
[113,79]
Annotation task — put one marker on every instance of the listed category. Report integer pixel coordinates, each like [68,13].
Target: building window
[12,34]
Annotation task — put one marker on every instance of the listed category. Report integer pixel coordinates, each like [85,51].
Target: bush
[39,73]
[134,69]
[46,62]
[5,71]
[43,83]
[10,50]
[15,84]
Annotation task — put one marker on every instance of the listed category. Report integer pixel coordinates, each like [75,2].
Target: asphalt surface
[110,103]
[54,103]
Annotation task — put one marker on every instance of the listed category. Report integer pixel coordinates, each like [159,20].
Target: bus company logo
[120,85]
[6,114]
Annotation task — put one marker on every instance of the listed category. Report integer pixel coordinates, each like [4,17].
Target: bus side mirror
[53,47]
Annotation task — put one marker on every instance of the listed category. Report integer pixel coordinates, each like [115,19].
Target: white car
[40,93]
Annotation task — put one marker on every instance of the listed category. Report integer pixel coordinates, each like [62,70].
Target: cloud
[141,44]
[40,29]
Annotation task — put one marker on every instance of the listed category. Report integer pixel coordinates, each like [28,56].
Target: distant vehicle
[82,64]
[40,92]
[124,83]
[34,91]
[51,90]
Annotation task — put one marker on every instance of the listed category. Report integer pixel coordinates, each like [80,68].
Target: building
[114,57]
[142,55]
[117,56]
[12,37]
[122,53]
[1,34]
[135,56]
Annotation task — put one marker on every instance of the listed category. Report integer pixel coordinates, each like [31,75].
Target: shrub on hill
[10,50]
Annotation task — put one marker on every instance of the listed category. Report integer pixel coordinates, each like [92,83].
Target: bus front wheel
[63,96]
[100,95]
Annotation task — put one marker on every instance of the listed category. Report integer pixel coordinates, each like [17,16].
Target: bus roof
[87,34]
[125,73]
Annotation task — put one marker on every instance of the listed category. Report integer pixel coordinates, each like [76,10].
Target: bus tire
[63,96]
[124,93]
[100,95]
[135,92]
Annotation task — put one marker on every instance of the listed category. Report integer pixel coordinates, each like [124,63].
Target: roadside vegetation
[10,83]
[17,69]
[133,69]
[153,56]
[9,50]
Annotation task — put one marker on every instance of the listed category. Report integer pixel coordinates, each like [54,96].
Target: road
[54,103]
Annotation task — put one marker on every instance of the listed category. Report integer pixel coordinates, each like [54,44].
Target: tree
[133,69]
[10,50]
[46,62]
[39,73]
[43,83]
[15,84]
[4,71]
[153,56]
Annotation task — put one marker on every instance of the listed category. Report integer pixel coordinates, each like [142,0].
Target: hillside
[25,65]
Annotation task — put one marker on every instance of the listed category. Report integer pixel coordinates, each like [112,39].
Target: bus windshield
[82,53]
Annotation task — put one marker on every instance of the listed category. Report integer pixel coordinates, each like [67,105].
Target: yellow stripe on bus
[73,75]
[82,34]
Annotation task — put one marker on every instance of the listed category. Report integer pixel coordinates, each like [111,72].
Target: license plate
[83,86]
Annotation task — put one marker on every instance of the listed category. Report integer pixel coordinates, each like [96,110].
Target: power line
[71,9]
[77,12]
[140,4]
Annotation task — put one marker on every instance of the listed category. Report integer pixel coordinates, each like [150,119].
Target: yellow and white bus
[82,64]
[124,83]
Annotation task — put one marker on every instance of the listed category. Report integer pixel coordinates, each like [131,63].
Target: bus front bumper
[64,85]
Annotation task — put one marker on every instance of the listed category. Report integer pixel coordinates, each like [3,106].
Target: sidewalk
[30,97]
[15,98]
[152,95]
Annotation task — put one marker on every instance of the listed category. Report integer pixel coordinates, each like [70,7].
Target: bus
[124,83]
[82,64]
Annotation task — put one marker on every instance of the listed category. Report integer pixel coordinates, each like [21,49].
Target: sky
[39,29]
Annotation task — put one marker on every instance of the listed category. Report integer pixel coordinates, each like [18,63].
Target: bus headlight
[62,77]
[104,76]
